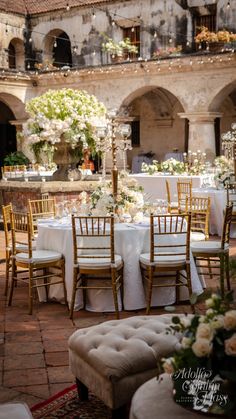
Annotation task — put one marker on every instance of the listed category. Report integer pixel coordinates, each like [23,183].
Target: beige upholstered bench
[114,358]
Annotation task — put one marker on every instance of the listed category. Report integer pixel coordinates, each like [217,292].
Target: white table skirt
[130,242]
[155,185]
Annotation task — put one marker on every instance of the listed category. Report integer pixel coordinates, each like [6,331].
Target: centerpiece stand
[64,160]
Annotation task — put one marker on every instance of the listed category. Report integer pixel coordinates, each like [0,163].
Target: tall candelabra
[112,136]
[229,145]
[194,159]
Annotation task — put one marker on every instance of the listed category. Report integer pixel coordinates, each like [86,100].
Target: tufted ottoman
[114,358]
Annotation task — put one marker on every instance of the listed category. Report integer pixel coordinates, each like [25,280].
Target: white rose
[186,342]
[204,331]
[202,347]
[217,322]
[209,311]
[230,320]
[209,303]
[230,345]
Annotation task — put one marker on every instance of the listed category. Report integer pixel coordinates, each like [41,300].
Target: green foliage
[16,158]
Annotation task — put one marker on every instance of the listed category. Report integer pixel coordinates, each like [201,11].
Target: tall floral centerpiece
[63,119]
[204,368]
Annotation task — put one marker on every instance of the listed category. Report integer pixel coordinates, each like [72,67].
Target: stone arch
[16,106]
[57,48]
[155,110]
[16,47]
[221,95]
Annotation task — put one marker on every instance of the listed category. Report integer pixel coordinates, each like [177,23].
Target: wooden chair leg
[177,288]
[72,304]
[227,271]
[114,290]
[222,288]
[82,390]
[122,287]
[13,279]
[7,276]
[30,289]
[149,290]
[189,284]
[64,283]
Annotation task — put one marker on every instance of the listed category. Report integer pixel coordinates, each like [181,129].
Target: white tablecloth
[155,185]
[130,241]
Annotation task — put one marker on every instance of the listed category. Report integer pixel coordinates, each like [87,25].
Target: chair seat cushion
[163,260]
[39,256]
[16,410]
[96,263]
[24,246]
[197,236]
[208,247]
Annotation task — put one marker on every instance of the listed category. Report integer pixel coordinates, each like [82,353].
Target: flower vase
[64,160]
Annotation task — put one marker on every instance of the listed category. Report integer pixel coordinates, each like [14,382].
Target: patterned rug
[66,405]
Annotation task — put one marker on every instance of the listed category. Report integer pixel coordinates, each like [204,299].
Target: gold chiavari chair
[41,208]
[36,263]
[184,191]
[215,253]
[96,266]
[231,199]
[200,214]
[169,252]
[172,207]
[6,215]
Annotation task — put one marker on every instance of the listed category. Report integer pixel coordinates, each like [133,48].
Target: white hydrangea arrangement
[172,166]
[129,193]
[67,113]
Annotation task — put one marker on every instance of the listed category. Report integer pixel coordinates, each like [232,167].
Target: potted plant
[17,158]
[119,50]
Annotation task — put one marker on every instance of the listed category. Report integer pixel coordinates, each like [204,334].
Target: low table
[154,400]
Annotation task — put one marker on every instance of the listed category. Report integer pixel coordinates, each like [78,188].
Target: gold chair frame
[94,228]
[231,199]
[184,190]
[6,215]
[221,258]
[41,208]
[200,214]
[161,225]
[33,267]
[170,207]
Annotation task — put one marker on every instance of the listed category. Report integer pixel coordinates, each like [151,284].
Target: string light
[132,29]
[93,14]
[6,29]
[67,7]
[155,35]
[55,43]
[30,40]
[228,5]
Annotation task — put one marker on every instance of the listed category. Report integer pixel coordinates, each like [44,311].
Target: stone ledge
[51,186]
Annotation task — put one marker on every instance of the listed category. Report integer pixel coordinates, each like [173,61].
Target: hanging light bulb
[28,66]
[94,52]
[155,34]
[228,4]
[170,40]
[132,29]
[113,22]
[6,29]
[30,40]
[74,48]
[67,7]
[187,44]
[93,14]
[55,43]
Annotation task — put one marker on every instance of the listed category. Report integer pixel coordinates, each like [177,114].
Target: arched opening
[225,103]
[57,48]
[16,54]
[62,50]
[156,126]
[11,56]
[7,132]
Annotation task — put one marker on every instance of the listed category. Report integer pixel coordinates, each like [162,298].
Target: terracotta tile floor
[33,349]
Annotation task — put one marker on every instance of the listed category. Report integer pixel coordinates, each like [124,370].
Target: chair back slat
[226,225]
[41,208]
[184,190]
[170,235]
[20,223]
[93,237]
[6,215]
[200,214]
[231,198]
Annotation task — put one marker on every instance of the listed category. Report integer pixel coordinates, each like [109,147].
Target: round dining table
[130,241]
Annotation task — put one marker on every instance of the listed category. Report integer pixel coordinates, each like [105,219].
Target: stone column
[202,131]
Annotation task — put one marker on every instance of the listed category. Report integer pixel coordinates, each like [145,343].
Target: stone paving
[33,349]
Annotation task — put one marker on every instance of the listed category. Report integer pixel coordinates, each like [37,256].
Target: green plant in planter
[16,158]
